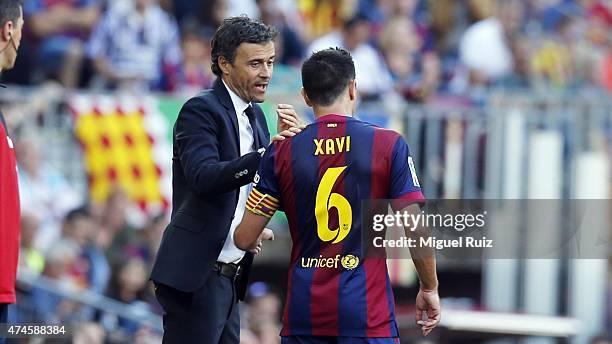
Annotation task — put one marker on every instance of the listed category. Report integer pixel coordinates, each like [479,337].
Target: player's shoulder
[307,134]
[381,133]
[278,145]
[387,133]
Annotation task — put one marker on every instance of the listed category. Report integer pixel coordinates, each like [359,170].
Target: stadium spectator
[76,230]
[61,29]
[117,233]
[49,307]
[322,16]
[31,259]
[212,13]
[128,285]
[374,79]
[488,32]
[288,44]
[39,185]
[482,67]
[602,10]
[134,44]
[379,12]
[553,61]
[293,17]
[596,52]
[264,309]
[195,73]
[146,242]
[93,268]
[415,74]
[184,9]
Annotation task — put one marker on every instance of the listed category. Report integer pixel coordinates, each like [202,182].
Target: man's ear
[224,65]
[352,89]
[7,30]
[305,96]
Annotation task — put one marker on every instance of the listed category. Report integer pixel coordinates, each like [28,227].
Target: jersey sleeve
[404,181]
[264,198]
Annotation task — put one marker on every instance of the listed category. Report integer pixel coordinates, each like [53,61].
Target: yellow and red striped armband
[262,204]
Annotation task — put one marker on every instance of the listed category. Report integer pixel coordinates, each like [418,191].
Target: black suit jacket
[207,173]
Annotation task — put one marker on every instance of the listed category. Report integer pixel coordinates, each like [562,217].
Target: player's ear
[305,96]
[352,89]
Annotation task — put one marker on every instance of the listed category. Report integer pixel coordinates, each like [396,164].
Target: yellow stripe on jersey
[262,204]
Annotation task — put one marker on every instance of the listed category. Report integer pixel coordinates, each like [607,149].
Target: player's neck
[336,109]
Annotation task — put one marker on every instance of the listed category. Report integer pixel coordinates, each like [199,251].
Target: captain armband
[262,204]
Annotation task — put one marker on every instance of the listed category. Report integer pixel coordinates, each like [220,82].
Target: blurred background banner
[125,144]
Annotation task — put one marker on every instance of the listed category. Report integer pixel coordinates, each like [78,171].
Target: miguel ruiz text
[432,242]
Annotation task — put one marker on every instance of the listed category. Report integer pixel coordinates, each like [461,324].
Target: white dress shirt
[230,253]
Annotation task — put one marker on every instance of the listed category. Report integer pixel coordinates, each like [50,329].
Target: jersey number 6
[325,201]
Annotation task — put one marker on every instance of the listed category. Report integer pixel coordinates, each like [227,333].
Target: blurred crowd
[403,49]
[81,247]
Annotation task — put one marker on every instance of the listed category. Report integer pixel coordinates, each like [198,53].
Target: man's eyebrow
[259,59]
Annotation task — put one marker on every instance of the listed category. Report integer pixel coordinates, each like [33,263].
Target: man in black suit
[219,137]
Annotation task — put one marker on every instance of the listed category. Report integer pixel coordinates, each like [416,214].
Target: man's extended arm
[251,231]
[198,148]
[424,258]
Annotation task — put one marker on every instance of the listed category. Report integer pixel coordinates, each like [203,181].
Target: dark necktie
[253,121]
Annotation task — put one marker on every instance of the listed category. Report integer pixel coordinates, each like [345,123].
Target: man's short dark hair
[235,31]
[10,10]
[326,74]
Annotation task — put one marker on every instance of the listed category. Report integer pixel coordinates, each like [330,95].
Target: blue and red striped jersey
[319,178]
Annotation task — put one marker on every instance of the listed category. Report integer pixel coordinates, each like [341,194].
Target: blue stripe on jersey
[391,303]
[304,167]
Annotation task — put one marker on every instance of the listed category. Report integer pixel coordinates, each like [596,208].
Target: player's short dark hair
[10,10]
[326,74]
[235,31]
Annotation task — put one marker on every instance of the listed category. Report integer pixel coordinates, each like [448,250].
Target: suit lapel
[224,97]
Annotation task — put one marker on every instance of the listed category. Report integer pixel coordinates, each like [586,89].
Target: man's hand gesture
[427,310]
[289,122]
[267,234]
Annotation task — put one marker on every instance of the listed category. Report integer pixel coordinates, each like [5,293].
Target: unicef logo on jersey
[349,262]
